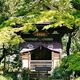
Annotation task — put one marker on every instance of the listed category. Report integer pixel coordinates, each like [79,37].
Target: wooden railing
[40,63]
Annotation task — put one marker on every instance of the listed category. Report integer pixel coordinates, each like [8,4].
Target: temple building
[42,49]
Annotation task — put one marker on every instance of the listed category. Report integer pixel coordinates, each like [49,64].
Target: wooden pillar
[29,59]
[55,59]
[52,60]
[26,57]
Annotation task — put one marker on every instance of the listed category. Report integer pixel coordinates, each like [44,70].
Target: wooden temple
[42,49]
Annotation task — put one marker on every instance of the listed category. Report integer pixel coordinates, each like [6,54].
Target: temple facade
[41,55]
[41,51]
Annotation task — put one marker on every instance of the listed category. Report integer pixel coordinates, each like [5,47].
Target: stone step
[39,75]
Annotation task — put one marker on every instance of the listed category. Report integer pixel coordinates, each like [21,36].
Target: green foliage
[12,22]
[11,75]
[25,74]
[76,4]
[55,17]
[16,75]
[40,17]
[69,65]
[10,27]
[2,77]
[77,78]
[5,77]
[7,35]
[12,7]
[61,72]
[76,43]
[73,62]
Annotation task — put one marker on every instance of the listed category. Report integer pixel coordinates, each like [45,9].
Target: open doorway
[41,53]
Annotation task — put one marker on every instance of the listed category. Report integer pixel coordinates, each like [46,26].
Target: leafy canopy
[58,13]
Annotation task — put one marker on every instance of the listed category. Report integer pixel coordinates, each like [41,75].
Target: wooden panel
[40,63]
[42,68]
[55,55]
[55,59]
[25,56]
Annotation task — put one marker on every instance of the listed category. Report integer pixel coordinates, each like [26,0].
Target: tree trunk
[68,45]
[1,57]
[4,61]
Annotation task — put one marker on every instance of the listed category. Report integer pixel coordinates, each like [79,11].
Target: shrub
[25,74]
[69,65]
[60,73]
[77,78]
[2,77]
